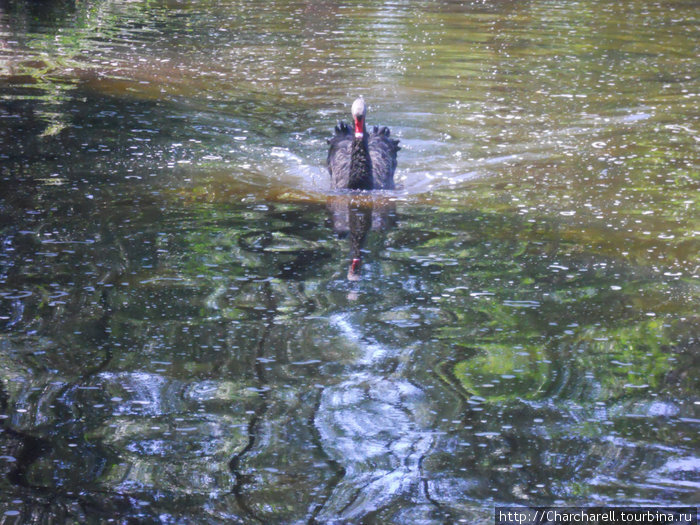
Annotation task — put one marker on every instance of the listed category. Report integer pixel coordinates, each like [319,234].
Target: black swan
[358,160]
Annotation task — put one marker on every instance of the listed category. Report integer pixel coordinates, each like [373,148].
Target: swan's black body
[358,160]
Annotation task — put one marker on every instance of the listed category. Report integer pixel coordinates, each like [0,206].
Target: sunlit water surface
[180,342]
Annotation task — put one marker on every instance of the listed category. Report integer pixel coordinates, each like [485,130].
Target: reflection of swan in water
[376,428]
[355,215]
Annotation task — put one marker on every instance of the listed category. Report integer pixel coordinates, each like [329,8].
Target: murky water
[180,342]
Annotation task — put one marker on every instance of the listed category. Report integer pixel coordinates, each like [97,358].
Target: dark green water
[178,337]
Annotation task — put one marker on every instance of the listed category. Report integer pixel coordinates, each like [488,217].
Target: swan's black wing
[339,156]
[382,151]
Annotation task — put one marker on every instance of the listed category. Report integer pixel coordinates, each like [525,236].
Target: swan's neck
[360,166]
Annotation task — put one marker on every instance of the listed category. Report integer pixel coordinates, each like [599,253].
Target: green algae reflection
[502,372]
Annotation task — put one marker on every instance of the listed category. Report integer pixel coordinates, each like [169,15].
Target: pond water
[179,338]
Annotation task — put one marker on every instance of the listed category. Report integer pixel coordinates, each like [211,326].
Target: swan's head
[359,110]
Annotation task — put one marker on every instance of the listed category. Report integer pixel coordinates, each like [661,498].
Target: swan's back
[382,151]
[338,160]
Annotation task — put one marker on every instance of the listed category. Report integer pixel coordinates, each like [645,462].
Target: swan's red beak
[354,271]
[359,127]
